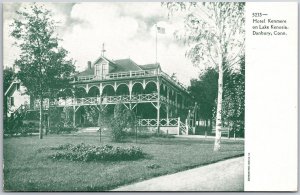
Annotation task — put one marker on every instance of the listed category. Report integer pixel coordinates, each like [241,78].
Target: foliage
[123,119]
[43,64]
[61,120]
[92,115]
[15,126]
[234,99]
[213,31]
[86,153]
[205,90]
[215,35]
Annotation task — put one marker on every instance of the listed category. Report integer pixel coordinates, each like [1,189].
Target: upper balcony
[119,75]
[130,74]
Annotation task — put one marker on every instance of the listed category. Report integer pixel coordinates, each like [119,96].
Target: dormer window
[101,69]
[105,68]
[97,69]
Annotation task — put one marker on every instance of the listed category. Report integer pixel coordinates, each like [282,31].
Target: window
[12,102]
[97,70]
[105,68]
[101,69]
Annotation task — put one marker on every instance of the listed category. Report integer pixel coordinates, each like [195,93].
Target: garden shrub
[122,120]
[86,153]
[18,127]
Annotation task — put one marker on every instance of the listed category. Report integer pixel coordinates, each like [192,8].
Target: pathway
[226,175]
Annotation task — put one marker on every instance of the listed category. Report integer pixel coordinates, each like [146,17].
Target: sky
[126,28]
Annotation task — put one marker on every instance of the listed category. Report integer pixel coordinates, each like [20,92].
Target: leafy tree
[43,64]
[214,32]
[234,98]
[205,90]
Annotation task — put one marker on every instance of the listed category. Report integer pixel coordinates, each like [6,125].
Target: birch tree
[43,64]
[214,33]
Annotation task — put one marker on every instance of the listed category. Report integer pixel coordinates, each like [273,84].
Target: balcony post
[115,87]
[87,88]
[100,92]
[130,88]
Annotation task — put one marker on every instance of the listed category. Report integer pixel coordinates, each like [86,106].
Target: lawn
[27,166]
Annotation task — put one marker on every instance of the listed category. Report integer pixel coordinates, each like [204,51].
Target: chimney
[89,64]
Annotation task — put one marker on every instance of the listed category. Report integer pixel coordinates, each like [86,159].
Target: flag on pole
[161,30]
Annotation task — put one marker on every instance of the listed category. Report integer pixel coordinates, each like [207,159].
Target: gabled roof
[12,87]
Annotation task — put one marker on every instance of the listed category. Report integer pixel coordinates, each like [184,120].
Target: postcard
[150,96]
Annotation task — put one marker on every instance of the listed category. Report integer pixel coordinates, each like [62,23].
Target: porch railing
[131,74]
[139,98]
[170,122]
[119,75]
[182,128]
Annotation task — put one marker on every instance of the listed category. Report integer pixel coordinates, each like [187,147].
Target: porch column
[100,92]
[100,89]
[130,89]
[87,88]
[115,87]
[158,116]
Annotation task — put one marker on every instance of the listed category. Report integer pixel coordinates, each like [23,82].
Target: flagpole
[156,43]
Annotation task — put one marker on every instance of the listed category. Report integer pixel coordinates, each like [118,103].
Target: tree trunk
[41,118]
[48,120]
[217,145]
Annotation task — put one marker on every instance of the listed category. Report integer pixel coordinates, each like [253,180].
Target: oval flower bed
[84,152]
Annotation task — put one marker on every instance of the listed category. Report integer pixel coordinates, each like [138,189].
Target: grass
[27,166]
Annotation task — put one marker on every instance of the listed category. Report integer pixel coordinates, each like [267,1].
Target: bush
[122,120]
[19,127]
[86,153]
